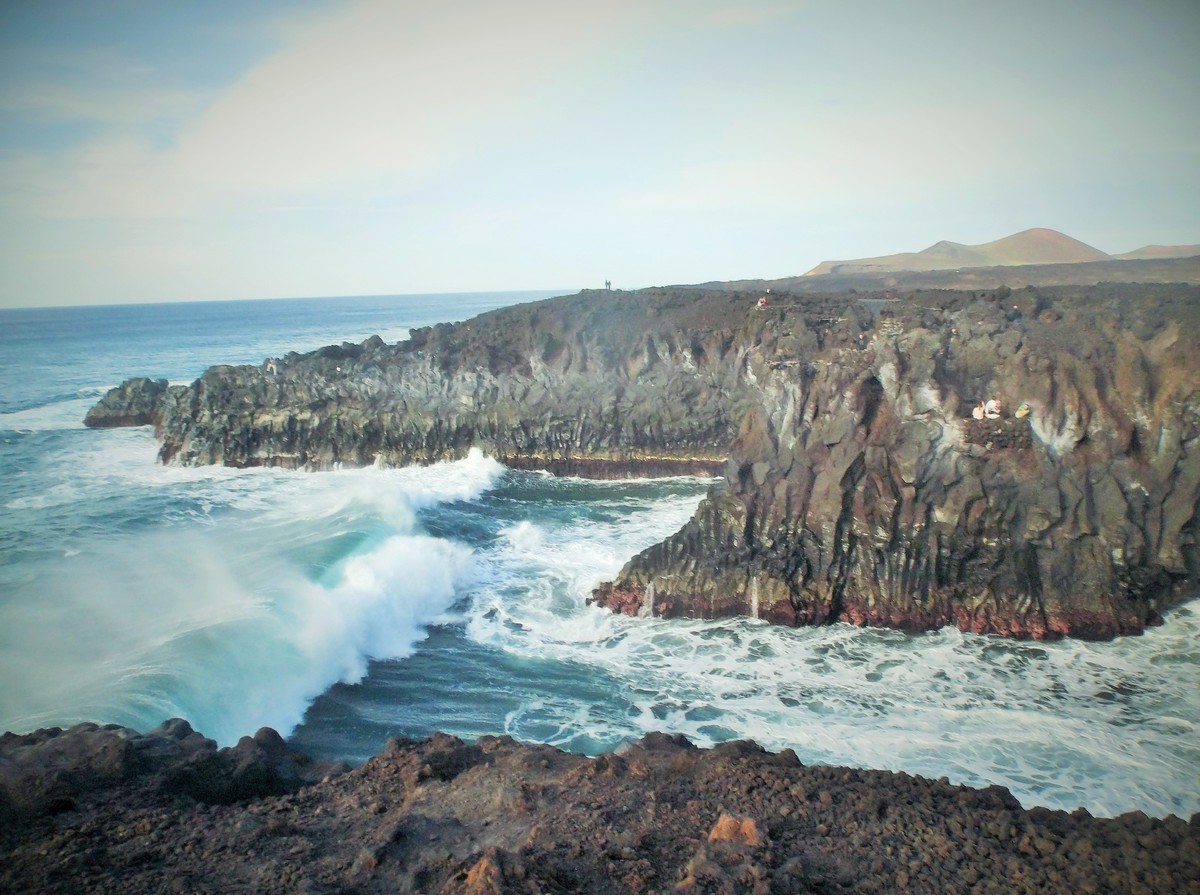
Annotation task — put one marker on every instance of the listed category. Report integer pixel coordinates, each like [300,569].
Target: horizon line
[331,296]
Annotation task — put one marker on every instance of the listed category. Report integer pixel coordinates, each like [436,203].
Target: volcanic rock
[501,818]
[135,402]
[856,483]
[45,772]
[860,487]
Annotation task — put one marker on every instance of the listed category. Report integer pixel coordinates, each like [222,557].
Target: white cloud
[369,101]
[385,146]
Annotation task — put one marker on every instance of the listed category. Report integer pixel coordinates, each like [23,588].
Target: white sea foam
[554,570]
[1062,724]
[67,413]
[55,495]
[222,624]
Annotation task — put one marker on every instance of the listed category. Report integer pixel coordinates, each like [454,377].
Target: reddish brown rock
[737,830]
[498,817]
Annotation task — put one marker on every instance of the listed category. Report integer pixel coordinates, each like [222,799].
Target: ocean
[345,607]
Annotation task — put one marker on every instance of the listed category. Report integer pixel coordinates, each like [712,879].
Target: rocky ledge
[856,483]
[106,809]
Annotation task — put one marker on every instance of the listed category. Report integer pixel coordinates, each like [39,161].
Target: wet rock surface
[444,816]
[135,402]
[861,487]
[47,772]
[857,484]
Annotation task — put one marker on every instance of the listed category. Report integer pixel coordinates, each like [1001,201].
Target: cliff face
[135,402]
[857,486]
[600,384]
[861,489]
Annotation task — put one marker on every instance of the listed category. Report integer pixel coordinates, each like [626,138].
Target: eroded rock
[857,484]
[135,402]
[501,817]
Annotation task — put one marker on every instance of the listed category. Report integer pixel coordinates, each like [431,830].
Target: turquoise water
[345,607]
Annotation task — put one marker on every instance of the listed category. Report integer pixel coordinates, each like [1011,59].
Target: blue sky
[163,151]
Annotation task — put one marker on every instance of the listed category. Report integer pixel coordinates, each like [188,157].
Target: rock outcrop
[860,487]
[596,384]
[135,402]
[47,772]
[497,817]
[857,486]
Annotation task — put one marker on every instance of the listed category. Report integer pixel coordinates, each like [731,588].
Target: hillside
[1085,273]
[1155,251]
[1035,246]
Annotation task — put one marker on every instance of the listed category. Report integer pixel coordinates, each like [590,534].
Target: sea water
[345,607]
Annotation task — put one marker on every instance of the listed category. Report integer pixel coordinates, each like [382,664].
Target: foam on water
[131,592]
[67,413]
[541,575]
[234,625]
[1109,726]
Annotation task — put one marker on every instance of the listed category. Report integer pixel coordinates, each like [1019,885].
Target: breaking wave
[131,592]
[241,624]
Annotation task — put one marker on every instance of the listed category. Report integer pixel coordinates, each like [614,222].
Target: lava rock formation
[500,818]
[856,484]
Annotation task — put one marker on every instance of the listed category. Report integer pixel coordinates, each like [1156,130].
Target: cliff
[856,484]
[106,809]
[596,384]
[135,402]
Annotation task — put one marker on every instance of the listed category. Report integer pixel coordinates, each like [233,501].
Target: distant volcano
[1152,252]
[1036,246]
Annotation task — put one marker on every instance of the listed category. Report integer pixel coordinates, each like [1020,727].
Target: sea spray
[131,592]
[1110,726]
[238,624]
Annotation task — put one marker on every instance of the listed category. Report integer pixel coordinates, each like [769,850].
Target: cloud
[375,99]
[377,145]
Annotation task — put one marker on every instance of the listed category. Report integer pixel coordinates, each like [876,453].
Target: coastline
[862,481]
[105,808]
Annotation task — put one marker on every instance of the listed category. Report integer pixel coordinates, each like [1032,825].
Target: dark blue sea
[348,606]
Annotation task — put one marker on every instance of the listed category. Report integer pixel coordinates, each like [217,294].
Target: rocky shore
[856,485]
[108,809]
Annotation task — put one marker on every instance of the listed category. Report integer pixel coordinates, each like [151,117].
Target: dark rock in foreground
[45,773]
[444,816]
[857,486]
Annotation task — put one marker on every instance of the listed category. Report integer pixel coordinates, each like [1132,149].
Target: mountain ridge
[1037,245]
[1148,252]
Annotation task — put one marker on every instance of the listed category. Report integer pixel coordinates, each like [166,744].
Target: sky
[169,151]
